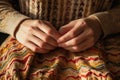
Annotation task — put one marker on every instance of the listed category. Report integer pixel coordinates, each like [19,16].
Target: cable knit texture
[19,63]
[60,12]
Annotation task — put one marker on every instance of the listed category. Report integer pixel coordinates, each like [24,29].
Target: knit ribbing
[60,12]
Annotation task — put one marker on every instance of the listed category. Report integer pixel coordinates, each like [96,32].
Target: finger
[78,28]
[44,37]
[82,46]
[75,41]
[50,25]
[64,29]
[35,48]
[40,43]
[48,30]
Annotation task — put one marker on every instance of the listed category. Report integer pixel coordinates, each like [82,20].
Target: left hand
[79,35]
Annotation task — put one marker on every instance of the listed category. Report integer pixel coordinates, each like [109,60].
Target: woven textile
[19,63]
[111,48]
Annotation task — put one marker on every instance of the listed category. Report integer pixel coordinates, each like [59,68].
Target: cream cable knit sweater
[59,12]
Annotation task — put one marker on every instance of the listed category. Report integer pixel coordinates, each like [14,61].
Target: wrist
[95,25]
[19,25]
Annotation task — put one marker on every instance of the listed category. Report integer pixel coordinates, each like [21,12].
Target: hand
[39,36]
[80,34]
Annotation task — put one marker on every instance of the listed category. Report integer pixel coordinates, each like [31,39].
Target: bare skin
[42,37]
[39,36]
[79,35]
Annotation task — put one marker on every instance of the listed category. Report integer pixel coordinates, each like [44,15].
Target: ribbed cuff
[106,21]
[12,22]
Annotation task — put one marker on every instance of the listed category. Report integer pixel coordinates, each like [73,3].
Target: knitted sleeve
[9,18]
[109,20]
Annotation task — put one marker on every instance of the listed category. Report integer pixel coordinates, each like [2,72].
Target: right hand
[39,36]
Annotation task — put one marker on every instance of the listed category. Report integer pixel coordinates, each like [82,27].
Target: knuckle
[91,32]
[36,22]
[82,26]
[30,29]
[26,39]
[83,22]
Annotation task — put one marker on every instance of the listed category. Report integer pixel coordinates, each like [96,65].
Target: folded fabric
[19,63]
